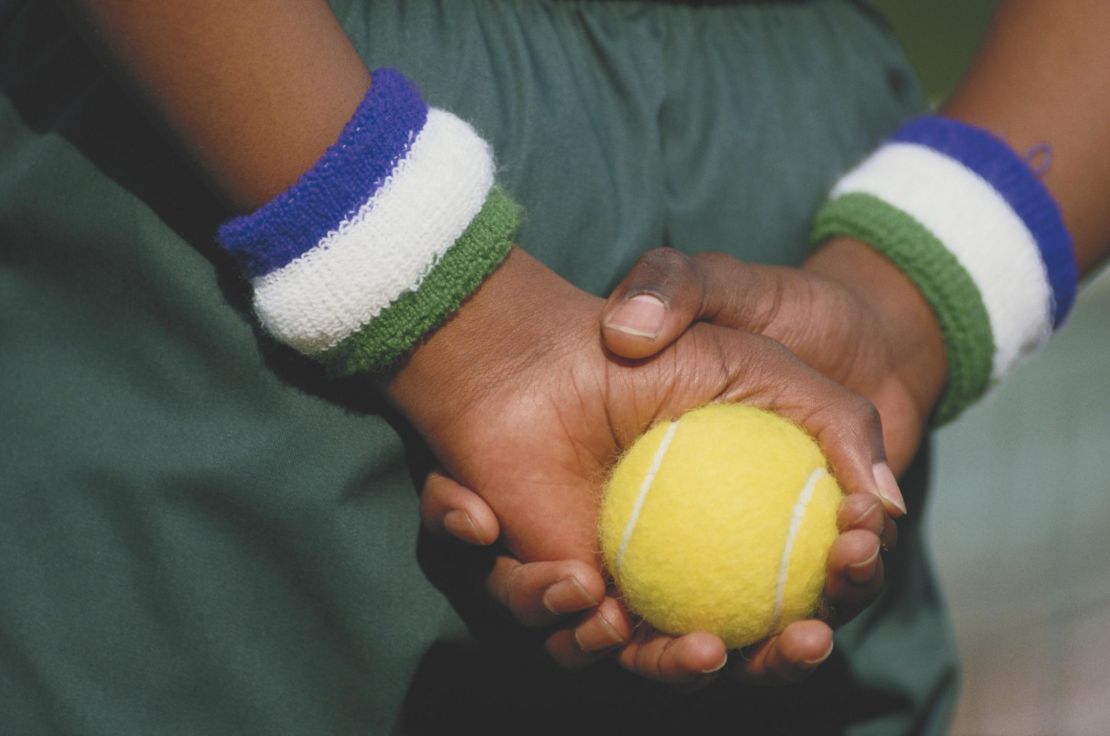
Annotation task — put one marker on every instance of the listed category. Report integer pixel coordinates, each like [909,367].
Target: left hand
[564,595]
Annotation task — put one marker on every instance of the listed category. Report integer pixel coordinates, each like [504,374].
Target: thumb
[657,301]
[668,290]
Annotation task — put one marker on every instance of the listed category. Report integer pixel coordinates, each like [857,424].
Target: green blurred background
[940,36]
[1021,511]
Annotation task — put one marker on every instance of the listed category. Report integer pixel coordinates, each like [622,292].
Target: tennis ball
[721,521]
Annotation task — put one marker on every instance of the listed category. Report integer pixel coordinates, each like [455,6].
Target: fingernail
[612,636]
[642,316]
[567,596]
[718,668]
[459,523]
[810,664]
[609,639]
[864,571]
[871,509]
[888,489]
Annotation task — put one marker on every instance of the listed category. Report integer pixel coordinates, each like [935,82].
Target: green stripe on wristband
[940,277]
[379,345]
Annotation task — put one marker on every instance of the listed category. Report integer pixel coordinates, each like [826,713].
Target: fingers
[534,594]
[855,575]
[852,437]
[846,425]
[654,304]
[791,656]
[563,649]
[544,593]
[762,372]
[449,509]
[853,443]
[668,290]
[693,659]
[887,486]
[865,511]
[690,660]
[539,593]
[595,636]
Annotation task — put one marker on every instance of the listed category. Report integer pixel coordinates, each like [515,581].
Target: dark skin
[230,102]
[539,386]
[1041,76]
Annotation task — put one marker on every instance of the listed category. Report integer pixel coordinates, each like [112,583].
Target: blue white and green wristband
[968,221]
[376,245]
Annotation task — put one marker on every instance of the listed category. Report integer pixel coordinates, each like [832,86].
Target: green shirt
[200,534]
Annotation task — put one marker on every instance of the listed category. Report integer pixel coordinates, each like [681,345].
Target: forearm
[252,92]
[1042,77]
[1040,82]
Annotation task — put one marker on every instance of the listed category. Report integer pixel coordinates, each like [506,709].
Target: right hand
[519,402]
[848,312]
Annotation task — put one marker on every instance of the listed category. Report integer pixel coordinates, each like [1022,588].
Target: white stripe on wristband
[981,230]
[387,247]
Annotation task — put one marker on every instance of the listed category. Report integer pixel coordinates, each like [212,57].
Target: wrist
[376,245]
[968,222]
[915,341]
[523,314]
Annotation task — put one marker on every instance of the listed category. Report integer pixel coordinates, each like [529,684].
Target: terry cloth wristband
[382,239]
[970,223]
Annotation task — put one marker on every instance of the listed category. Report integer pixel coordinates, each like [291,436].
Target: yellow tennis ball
[721,521]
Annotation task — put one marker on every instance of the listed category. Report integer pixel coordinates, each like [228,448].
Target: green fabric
[201,534]
[944,283]
[454,277]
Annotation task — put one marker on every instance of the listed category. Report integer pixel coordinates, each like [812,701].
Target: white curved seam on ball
[387,247]
[796,519]
[645,488]
[979,227]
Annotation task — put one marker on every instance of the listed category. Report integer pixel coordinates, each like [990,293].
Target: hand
[848,313]
[520,403]
[545,595]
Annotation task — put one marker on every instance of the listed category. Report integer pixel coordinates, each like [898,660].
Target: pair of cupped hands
[534,388]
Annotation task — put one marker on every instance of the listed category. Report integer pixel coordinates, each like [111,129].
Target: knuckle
[861,510]
[665,270]
[511,590]
[666,259]
[865,413]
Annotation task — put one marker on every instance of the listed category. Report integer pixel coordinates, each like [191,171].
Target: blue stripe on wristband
[373,141]
[994,161]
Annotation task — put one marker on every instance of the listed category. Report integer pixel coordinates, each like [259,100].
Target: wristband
[382,239]
[967,220]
